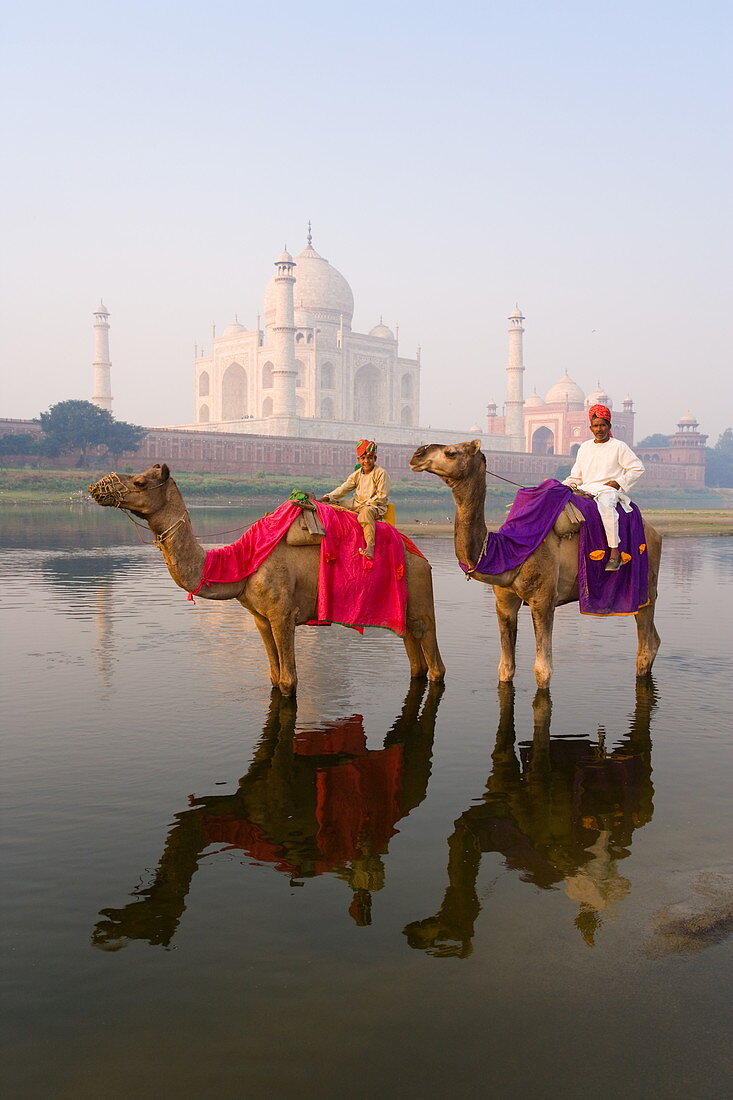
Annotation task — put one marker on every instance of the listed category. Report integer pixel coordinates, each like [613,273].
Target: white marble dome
[382,331]
[319,289]
[688,418]
[234,329]
[565,392]
[599,397]
[533,401]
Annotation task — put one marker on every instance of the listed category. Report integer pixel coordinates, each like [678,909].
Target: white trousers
[607,498]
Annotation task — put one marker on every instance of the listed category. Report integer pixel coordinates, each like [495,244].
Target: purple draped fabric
[531,519]
[621,593]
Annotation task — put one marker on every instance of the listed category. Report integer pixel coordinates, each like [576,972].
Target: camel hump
[569,521]
[305,530]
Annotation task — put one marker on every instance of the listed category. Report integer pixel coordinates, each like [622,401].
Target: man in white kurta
[370,485]
[605,469]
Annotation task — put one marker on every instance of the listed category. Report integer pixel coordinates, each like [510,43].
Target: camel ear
[474,445]
[164,472]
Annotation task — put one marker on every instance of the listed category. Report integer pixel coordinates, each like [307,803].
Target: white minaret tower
[285,372]
[102,396]
[514,405]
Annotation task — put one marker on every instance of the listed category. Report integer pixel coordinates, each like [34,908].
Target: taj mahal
[306,374]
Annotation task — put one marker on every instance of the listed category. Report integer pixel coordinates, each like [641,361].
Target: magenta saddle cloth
[352,590]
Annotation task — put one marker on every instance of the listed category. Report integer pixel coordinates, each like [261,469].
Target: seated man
[605,469]
[370,485]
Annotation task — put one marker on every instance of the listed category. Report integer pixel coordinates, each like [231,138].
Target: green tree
[655,440]
[719,462]
[75,426]
[122,437]
[22,443]
[79,425]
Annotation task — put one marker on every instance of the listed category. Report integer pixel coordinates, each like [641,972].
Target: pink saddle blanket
[352,590]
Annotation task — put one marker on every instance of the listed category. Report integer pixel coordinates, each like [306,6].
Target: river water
[422,891]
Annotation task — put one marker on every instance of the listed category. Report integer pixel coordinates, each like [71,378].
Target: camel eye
[139,482]
[450,453]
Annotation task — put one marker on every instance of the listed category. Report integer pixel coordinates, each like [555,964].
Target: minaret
[102,396]
[514,406]
[285,372]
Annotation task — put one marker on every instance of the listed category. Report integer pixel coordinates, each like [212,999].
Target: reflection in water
[311,803]
[564,811]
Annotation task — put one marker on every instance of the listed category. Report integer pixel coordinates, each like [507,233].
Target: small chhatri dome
[284,258]
[516,312]
[565,392]
[688,418]
[382,331]
[474,429]
[303,319]
[533,401]
[101,309]
[599,397]
[233,329]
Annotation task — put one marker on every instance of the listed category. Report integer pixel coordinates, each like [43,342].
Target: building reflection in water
[311,803]
[562,811]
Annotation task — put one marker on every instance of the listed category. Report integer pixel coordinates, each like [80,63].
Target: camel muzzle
[108,491]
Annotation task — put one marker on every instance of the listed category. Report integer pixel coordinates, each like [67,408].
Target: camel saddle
[569,521]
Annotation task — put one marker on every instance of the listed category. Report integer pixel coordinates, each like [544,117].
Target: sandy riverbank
[672,523]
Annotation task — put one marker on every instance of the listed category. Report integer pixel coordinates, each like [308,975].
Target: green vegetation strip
[38,486]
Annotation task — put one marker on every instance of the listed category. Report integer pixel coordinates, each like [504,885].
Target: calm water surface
[422,891]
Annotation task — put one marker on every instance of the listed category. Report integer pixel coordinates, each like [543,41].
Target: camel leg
[418,664]
[543,618]
[283,632]
[422,633]
[648,640]
[429,644]
[507,609]
[263,625]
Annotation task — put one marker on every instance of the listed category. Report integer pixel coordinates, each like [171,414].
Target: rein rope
[517,483]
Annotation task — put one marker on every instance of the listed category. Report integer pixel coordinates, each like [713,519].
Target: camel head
[142,494]
[453,462]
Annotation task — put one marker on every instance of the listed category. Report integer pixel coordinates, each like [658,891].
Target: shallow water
[428,892]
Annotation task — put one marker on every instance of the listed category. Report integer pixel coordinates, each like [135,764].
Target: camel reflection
[563,811]
[310,803]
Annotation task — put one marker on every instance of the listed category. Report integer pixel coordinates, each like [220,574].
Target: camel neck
[469,529]
[183,555]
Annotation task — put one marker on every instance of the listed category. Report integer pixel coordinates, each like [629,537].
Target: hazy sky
[454,159]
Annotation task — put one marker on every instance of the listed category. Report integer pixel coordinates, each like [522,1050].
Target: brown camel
[282,593]
[549,576]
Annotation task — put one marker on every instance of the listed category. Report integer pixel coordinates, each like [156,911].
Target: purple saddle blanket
[530,520]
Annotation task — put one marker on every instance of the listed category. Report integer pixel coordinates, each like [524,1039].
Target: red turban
[365,447]
[599,410]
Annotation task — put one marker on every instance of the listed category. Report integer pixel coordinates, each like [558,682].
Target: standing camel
[549,576]
[282,593]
